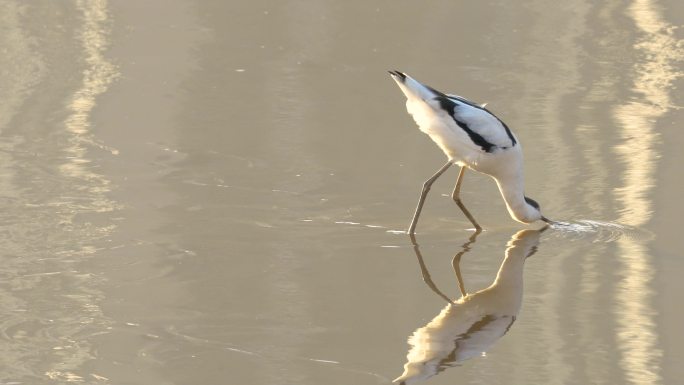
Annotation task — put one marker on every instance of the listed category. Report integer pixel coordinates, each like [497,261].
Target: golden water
[214,192]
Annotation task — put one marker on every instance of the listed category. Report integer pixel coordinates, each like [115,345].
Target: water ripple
[599,231]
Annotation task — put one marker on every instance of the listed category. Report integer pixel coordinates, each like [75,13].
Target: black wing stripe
[468,102]
[449,106]
[436,92]
[508,130]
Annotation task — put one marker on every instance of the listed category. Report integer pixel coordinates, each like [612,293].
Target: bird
[469,326]
[474,138]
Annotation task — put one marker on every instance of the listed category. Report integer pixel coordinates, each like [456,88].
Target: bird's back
[466,132]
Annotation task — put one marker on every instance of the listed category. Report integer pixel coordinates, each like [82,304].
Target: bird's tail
[413,88]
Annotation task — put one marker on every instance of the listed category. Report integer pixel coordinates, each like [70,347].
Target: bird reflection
[470,325]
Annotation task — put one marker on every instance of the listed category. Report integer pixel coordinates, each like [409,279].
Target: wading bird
[471,137]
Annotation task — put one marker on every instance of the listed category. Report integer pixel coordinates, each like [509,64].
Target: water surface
[214,192]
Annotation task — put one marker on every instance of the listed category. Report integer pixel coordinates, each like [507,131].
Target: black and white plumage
[472,137]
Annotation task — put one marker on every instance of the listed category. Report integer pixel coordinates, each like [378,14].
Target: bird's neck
[507,288]
[513,192]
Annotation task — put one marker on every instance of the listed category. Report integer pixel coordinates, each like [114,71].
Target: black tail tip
[398,74]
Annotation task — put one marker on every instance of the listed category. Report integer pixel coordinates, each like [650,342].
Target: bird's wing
[424,103]
[483,127]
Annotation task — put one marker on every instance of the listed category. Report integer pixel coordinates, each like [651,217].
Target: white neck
[512,190]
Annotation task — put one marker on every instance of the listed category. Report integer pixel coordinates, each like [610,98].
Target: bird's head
[533,212]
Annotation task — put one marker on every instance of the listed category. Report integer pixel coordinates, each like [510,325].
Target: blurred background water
[214,192]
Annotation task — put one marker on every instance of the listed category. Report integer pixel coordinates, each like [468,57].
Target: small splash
[601,231]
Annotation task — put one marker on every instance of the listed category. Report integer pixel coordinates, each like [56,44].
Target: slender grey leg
[423,194]
[455,196]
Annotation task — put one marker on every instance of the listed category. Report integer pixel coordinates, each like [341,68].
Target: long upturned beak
[547,220]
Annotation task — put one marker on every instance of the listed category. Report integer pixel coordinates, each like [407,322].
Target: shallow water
[216,192]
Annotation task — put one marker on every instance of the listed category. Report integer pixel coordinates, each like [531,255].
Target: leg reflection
[455,262]
[471,325]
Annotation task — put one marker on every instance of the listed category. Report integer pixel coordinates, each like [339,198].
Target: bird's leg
[423,194]
[455,196]
[456,261]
